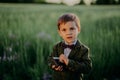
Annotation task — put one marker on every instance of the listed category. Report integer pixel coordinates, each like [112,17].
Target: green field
[29,31]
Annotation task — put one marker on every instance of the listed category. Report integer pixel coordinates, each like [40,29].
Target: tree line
[107,2]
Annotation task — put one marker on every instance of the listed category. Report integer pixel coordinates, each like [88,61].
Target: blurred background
[28,31]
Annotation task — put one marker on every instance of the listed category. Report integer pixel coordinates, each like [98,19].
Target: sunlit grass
[28,33]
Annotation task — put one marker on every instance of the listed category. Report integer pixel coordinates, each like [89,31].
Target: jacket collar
[61,49]
[77,43]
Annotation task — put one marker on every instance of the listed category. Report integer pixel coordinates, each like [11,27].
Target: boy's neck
[73,43]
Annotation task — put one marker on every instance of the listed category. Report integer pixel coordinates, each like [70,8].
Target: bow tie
[68,46]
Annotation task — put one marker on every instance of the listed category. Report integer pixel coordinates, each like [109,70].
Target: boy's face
[69,31]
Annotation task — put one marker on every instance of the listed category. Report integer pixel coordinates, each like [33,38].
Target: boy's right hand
[57,68]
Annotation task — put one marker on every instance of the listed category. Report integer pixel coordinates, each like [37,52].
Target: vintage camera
[57,62]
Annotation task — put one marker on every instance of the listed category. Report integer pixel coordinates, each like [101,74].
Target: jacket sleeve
[83,64]
[50,57]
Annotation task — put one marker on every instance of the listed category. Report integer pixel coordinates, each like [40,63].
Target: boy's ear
[79,29]
[59,32]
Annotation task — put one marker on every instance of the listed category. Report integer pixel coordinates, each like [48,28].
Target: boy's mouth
[69,37]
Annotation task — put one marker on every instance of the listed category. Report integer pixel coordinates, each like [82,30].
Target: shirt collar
[72,43]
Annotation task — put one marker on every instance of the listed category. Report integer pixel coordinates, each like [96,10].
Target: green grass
[28,33]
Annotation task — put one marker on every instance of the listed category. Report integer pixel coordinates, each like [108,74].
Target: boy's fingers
[62,61]
[59,68]
[53,66]
[62,58]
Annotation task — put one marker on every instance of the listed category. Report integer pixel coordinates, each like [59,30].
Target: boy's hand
[63,59]
[57,68]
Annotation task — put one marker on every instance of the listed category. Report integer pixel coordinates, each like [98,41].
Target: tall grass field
[29,31]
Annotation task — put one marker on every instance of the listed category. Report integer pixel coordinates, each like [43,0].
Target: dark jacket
[79,62]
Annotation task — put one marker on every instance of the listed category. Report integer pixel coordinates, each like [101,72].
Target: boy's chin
[69,42]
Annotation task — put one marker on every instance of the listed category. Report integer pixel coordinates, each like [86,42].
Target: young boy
[70,58]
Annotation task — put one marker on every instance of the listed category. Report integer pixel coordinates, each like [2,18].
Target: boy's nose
[69,32]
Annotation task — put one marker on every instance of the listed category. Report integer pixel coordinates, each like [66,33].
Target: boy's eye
[63,29]
[72,28]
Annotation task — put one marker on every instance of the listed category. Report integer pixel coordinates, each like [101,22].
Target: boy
[70,58]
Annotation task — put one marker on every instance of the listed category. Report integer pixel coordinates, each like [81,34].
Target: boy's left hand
[57,68]
[63,59]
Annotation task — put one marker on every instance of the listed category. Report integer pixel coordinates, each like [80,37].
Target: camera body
[57,62]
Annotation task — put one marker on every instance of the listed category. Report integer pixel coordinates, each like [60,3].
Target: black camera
[57,62]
